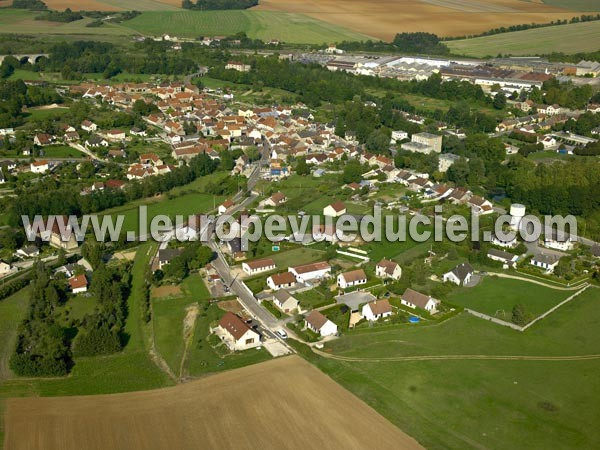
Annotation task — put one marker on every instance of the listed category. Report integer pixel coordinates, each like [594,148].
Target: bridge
[31,58]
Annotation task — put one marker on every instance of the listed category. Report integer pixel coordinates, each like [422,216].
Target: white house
[377,310]
[78,284]
[222,209]
[548,142]
[281,280]
[414,299]
[6,269]
[258,266]
[398,136]
[508,259]
[336,209]
[39,167]
[285,301]
[236,334]
[320,324]
[240,67]
[352,278]
[460,275]
[555,242]
[88,126]
[28,252]
[388,269]
[546,262]
[309,272]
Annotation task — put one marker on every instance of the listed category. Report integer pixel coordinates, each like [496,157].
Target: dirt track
[385,18]
[281,404]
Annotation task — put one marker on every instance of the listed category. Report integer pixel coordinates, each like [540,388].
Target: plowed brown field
[385,18]
[281,404]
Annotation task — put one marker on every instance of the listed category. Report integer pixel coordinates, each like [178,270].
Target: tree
[301,166]
[499,101]
[519,315]
[352,172]
[378,142]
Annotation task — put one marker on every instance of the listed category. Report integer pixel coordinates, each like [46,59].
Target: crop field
[385,18]
[495,294]
[115,5]
[440,401]
[12,311]
[238,409]
[22,22]
[576,5]
[572,38]
[265,25]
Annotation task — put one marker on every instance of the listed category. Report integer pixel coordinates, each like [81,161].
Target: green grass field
[62,151]
[572,38]
[12,312]
[184,205]
[22,22]
[495,294]
[168,316]
[481,404]
[265,25]
[575,5]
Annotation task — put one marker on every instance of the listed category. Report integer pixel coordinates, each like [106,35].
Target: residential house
[285,301]
[460,275]
[352,278]
[414,299]
[43,139]
[281,280]
[507,259]
[78,284]
[480,205]
[236,333]
[165,256]
[30,251]
[39,167]
[259,266]
[560,243]
[336,209]
[88,126]
[388,269]
[377,310]
[546,262]
[236,65]
[309,272]
[6,269]
[96,141]
[277,199]
[224,207]
[320,324]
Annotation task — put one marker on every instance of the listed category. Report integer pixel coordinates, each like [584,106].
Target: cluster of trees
[566,187]
[485,156]
[16,94]
[528,26]
[426,43]
[100,333]
[193,257]
[33,5]
[205,5]
[98,57]
[65,16]
[42,344]
[574,97]
[52,197]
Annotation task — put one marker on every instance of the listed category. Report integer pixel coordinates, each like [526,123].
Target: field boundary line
[529,280]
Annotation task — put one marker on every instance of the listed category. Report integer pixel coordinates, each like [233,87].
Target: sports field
[416,377]
[281,404]
[572,38]
[385,18]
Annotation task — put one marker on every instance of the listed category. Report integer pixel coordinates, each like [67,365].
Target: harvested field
[166,291]
[385,18]
[81,5]
[240,409]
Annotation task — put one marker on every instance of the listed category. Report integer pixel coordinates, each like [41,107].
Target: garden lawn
[495,294]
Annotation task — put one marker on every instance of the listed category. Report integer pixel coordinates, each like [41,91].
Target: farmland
[384,19]
[250,397]
[572,38]
[439,402]
[265,25]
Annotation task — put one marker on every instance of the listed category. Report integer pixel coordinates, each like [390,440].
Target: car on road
[282,334]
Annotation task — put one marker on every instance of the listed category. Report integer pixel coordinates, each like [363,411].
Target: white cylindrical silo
[517,212]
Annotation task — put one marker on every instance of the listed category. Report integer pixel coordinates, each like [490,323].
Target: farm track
[459,358]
